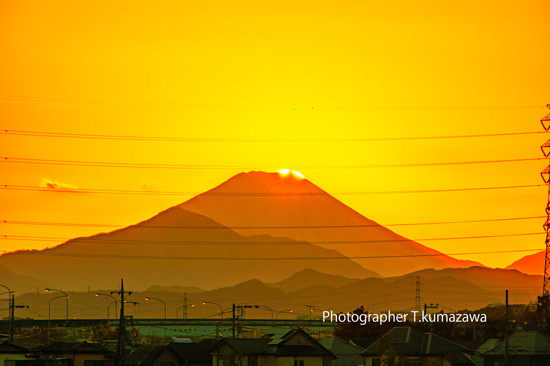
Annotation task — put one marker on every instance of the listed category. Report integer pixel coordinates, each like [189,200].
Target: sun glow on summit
[286,171]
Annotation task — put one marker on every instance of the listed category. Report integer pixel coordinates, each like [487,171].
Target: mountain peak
[258,182]
[283,204]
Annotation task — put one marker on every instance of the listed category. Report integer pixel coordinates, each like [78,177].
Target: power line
[23,98]
[250,194]
[43,223]
[205,166]
[226,243]
[122,256]
[241,140]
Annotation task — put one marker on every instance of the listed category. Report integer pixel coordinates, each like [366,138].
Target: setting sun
[286,171]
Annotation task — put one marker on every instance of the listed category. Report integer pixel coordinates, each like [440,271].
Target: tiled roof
[409,341]
[73,347]
[299,350]
[363,342]
[192,352]
[7,347]
[141,354]
[523,342]
[257,346]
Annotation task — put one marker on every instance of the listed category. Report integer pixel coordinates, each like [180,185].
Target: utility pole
[13,306]
[10,313]
[184,310]
[431,306]
[310,308]
[417,298]
[121,350]
[233,321]
[240,307]
[544,300]
[506,333]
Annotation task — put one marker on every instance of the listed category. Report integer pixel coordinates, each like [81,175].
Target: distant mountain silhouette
[174,289]
[453,289]
[485,277]
[275,204]
[309,277]
[530,264]
[20,283]
[102,260]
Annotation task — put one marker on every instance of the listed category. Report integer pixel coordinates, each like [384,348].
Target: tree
[102,332]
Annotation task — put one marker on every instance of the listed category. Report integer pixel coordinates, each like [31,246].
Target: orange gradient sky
[282,70]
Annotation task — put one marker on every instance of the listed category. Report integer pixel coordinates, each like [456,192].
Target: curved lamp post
[213,303]
[50,313]
[9,299]
[10,309]
[136,304]
[163,303]
[290,311]
[115,302]
[66,302]
[221,315]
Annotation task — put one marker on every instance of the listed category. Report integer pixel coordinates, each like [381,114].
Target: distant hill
[484,277]
[472,288]
[168,250]
[259,203]
[309,277]
[531,264]
[20,283]
[174,289]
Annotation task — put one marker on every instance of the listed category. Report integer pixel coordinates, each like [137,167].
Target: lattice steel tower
[545,174]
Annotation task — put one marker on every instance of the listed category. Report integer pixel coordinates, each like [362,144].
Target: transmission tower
[417,298]
[544,300]
[545,174]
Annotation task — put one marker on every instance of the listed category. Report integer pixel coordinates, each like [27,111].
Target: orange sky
[279,70]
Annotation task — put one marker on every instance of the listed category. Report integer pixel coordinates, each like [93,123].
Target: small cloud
[53,184]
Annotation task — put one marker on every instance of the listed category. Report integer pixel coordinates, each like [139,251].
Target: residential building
[525,348]
[74,354]
[347,353]
[413,347]
[294,348]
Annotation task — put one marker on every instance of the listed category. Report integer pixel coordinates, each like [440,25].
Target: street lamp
[163,303]
[50,313]
[221,315]
[115,302]
[290,311]
[66,303]
[11,308]
[136,304]
[213,303]
[9,299]
[267,308]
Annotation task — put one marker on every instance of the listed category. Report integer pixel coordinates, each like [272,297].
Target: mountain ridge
[285,205]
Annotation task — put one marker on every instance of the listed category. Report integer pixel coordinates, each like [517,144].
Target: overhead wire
[104,164]
[52,253]
[243,140]
[45,223]
[250,242]
[24,98]
[249,194]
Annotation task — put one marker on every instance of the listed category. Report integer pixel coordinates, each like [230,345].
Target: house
[525,348]
[416,348]
[74,354]
[14,355]
[293,348]
[347,353]
[176,354]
